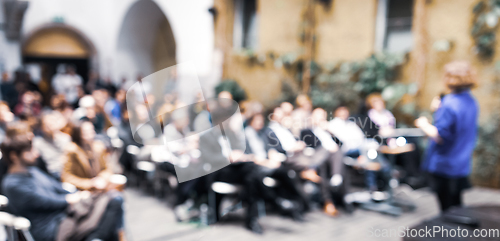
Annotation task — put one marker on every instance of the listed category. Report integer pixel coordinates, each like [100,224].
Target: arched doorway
[52,45]
[145,41]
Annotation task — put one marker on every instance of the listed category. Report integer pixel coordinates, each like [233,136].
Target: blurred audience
[274,160]
[54,213]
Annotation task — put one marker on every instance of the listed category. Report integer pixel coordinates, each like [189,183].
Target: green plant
[349,83]
[487,156]
[484,27]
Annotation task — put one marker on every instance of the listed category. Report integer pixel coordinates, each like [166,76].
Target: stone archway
[146,42]
[53,44]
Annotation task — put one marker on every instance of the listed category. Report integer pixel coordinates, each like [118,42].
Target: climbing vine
[485,24]
[487,158]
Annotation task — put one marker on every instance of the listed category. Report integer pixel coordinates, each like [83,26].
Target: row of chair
[15,228]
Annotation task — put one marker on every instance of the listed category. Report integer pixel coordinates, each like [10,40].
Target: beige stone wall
[345,31]
[279,25]
[452,20]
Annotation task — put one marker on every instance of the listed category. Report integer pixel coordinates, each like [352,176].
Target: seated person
[85,164]
[241,171]
[179,144]
[269,160]
[381,120]
[125,134]
[327,157]
[94,113]
[52,142]
[351,136]
[41,199]
[381,125]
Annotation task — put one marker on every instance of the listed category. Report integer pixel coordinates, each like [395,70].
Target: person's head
[318,117]
[18,151]
[278,114]
[28,97]
[82,133]
[375,101]
[57,102]
[180,118]
[52,121]
[70,69]
[459,75]
[287,108]
[342,112]
[6,115]
[256,122]
[19,129]
[304,102]
[101,95]
[225,95]
[120,95]
[89,104]
[140,113]
[225,98]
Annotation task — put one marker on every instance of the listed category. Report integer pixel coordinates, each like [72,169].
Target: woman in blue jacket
[452,136]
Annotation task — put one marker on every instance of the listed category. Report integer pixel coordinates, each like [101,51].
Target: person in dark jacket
[41,199]
[452,136]
[328,158]
[8,90]
[270,158]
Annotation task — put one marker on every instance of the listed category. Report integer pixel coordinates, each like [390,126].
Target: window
[245,24]
[394,22]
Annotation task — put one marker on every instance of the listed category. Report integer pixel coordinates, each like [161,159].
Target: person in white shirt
[68,84]
[346,130]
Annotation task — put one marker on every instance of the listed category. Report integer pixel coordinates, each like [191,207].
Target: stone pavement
[149,219]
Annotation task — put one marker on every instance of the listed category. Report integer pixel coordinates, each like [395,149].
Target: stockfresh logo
[175,123]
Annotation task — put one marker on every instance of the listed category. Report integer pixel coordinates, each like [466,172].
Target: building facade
[433,32]
[116,38]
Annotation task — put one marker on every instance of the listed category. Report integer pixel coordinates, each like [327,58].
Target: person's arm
[70,159]
[429,129]
[443,127]
[25,196]
[106,171]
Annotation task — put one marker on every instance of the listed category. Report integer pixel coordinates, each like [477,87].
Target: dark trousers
[111,221]
[244,174]
[449,190]
[289,186]
[184,189]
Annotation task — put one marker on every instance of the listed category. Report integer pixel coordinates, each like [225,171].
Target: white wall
[100,21]
[10,58]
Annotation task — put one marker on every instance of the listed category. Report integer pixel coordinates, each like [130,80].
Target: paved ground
[149,219]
